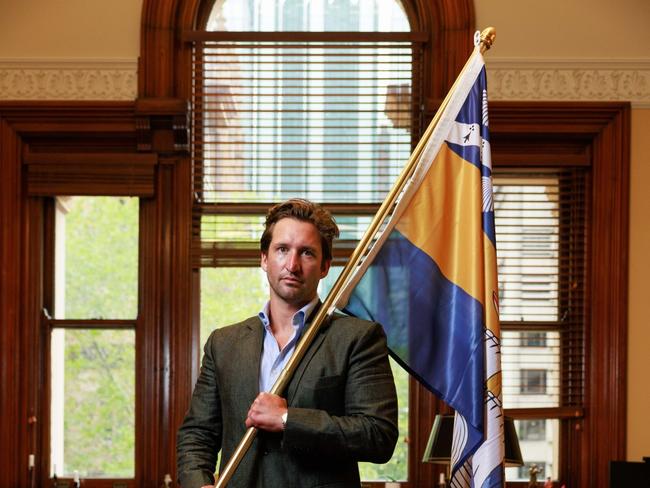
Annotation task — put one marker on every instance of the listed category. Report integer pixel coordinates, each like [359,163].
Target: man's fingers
[266,411]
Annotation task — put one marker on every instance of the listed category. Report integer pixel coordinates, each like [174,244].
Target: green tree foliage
[101,265]
[229,295]
[101,258]
[99,403]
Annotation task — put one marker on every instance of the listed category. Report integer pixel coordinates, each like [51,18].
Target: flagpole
[487,38]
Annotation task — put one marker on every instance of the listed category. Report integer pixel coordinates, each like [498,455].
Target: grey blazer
[342,409]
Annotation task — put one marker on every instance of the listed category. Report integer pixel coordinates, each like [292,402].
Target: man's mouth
[292,280]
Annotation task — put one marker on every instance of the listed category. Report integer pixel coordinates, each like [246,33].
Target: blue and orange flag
[430,279]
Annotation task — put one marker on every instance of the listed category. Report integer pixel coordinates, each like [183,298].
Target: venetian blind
[327,116]
[541,242]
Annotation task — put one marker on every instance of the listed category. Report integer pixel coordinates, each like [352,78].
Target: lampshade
[398,105]
[438,448]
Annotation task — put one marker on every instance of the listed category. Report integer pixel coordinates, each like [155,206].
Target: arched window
[318,100]
[300,101]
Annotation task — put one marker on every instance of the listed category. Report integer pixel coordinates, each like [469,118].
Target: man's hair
[305,211]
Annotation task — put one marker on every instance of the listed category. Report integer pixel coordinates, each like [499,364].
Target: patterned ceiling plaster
[576,80]
[509,79]
[55,79]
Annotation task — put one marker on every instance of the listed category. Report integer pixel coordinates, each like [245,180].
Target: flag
[430,279]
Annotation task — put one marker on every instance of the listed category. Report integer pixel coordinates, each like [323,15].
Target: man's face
[294,262]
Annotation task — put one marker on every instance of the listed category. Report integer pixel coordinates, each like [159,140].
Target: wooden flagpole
[327,308]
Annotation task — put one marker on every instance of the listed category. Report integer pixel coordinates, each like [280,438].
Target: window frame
[524,140]
[419,423]
[48,324]
[553,134]
[247,256]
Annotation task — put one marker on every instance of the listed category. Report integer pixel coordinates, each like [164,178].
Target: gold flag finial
[487,38]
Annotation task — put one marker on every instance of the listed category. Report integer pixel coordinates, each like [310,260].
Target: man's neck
[281,314]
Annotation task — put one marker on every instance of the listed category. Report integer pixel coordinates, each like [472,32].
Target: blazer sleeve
[367,428]
[199,437]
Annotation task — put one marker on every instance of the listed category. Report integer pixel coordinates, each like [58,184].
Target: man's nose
[293,261]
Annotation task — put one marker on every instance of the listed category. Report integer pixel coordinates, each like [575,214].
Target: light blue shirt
[274,359]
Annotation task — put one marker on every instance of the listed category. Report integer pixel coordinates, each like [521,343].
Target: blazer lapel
[251,355]
[304,363]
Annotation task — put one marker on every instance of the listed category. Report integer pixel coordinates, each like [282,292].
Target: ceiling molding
[570,80]
[68,79]
[509,79]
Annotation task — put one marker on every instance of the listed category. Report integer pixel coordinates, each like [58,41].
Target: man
[340,406]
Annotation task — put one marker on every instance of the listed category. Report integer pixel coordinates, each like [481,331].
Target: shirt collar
[299,318]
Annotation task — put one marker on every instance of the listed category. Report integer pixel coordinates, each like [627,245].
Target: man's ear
[325,268]
[263,260]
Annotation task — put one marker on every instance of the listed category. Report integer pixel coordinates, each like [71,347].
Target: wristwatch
[284,419]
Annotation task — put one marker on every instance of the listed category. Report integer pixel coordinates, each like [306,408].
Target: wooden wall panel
[165,320]
[11,215]
[607,375]
[128,174]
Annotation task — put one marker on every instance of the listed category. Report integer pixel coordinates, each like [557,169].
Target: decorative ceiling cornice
[509,79]
[570,80]
[68,79]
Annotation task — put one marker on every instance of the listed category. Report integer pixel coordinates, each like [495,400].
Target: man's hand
[266,412]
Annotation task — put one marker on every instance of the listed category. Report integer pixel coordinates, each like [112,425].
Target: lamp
[398,105]
[438,448]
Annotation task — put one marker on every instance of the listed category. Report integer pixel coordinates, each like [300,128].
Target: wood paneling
[166,320]
[129,174]
[607,375]
[12,415]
